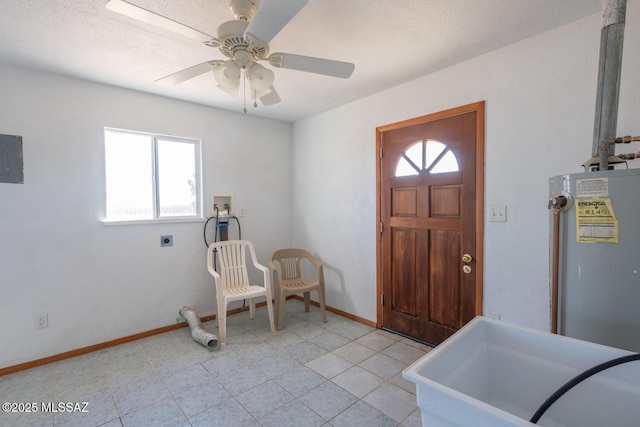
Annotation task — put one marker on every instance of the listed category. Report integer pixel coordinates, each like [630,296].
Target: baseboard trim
[336,311]
[95,347]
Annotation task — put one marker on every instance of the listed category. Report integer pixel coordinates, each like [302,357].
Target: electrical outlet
[42,321]
[494,316]
[166,240]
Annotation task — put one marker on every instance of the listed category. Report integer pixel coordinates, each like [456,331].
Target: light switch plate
[497,213]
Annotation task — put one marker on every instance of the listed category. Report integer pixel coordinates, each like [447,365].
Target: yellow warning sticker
[595,221]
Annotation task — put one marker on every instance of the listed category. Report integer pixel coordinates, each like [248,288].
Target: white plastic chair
[232,283]
[292,280]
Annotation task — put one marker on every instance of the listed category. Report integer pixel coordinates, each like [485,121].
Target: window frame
[155,187]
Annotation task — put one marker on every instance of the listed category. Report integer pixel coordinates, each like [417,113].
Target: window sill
[154,221]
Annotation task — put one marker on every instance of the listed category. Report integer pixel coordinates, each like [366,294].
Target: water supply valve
[562,202]
[557,202]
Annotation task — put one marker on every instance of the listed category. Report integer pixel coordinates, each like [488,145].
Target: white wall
[100,282]
[540,102]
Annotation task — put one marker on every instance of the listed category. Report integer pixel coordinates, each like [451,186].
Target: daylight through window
[429,156]
[151,176]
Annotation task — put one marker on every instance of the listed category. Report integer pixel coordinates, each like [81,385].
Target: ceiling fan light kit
[244,41]
[227,74]
[261,78]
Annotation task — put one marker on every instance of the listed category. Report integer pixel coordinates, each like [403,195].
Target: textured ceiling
[389,41]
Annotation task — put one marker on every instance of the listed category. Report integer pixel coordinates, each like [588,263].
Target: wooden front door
[430,200]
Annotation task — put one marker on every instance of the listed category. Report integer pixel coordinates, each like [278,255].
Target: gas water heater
[595,238]
[599,257]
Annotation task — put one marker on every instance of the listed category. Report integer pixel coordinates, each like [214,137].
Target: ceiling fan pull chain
[244,91]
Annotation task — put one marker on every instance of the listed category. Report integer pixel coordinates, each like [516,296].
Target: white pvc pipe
[199,334]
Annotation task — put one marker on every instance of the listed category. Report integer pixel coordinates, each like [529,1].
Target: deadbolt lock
[466,258]
[466,269]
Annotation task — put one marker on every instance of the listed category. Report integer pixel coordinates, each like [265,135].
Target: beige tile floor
[339,373]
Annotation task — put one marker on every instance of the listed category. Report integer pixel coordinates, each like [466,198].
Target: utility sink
[492,373]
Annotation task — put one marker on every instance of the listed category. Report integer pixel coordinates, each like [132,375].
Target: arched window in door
[427,156]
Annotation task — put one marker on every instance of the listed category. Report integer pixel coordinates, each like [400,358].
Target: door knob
[466,269]
[466,258]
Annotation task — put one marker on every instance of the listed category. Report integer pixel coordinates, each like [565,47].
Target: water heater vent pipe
[611,43]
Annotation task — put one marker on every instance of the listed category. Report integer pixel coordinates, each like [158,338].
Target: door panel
[404,202]
[404,296]
[444,294]
[430,210]
[446,201]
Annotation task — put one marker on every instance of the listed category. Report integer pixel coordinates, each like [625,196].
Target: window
[151,176]
[430,156]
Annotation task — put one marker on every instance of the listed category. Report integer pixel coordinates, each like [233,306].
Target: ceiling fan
[245,42]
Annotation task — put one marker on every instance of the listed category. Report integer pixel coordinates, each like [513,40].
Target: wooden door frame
[478,108]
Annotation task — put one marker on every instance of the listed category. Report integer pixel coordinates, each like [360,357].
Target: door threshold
[409,337]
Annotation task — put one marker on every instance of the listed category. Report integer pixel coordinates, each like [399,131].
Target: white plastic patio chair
[232,281]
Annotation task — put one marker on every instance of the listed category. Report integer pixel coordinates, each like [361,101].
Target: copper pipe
[555,270]
[557,204]
[626,139]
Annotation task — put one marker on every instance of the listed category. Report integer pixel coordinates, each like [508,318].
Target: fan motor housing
[231,37]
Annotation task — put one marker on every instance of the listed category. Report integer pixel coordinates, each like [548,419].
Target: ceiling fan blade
[188,73]
[270,98]
[136,12]
[271,17]
[310,64]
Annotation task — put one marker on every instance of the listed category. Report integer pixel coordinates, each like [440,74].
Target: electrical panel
[11,168]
